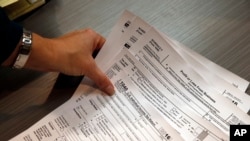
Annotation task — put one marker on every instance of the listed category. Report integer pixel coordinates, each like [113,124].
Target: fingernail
[110,90]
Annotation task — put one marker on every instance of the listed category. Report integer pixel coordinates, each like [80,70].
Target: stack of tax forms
[164,91]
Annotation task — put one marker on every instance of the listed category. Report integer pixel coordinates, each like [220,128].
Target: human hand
[70,54]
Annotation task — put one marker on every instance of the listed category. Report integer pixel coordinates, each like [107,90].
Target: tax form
[178,79]
[234,93]
[128,115]
[124,23]
[133,28]
[176,75]
[91,115]
[159,95]
[230,77]
[185,121]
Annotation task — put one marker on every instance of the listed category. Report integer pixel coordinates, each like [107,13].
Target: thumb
[101,80]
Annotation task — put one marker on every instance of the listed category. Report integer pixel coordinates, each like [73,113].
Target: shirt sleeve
[10,35]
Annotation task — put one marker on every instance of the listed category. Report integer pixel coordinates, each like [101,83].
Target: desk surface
[218,29]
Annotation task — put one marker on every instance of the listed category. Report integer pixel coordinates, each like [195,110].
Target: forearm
[41,55]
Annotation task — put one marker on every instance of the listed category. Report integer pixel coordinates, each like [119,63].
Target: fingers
[101,80]
[84,43]
[98,39]
[100,42]
[95,73]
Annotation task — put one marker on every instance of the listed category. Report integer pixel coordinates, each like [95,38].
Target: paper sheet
[92,115]
[175,74]
[89,115]
[179,116]
[131,28]
[124,23]
[160,95]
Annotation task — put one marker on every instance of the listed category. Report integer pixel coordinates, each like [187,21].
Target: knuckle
[90,31]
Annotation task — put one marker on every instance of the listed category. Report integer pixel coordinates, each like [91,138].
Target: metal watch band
[24,50]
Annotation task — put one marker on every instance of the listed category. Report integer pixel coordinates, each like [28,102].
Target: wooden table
[218,29]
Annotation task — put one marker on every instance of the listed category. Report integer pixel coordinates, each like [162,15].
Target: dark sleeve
[10,34]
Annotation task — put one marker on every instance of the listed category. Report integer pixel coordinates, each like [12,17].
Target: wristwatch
[24,49]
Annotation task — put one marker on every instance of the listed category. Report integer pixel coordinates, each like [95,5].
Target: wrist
[42,56]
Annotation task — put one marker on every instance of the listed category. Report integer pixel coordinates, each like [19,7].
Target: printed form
[189,126]
[231,91]
[93,116]
[136,28]
[128,115]
[124,23]
[176,75]
[160,95]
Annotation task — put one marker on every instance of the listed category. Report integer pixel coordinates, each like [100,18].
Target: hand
[70,54]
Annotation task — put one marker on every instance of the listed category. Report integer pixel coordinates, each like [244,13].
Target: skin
[70,54]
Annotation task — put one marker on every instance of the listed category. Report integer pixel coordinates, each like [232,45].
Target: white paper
[177,76]
[89,115]
[238,97]
[179,116]
[230,77]
[123,23]
[160,94]
[136,28]
[94,116]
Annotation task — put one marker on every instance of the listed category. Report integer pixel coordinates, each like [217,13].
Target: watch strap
[24,50]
